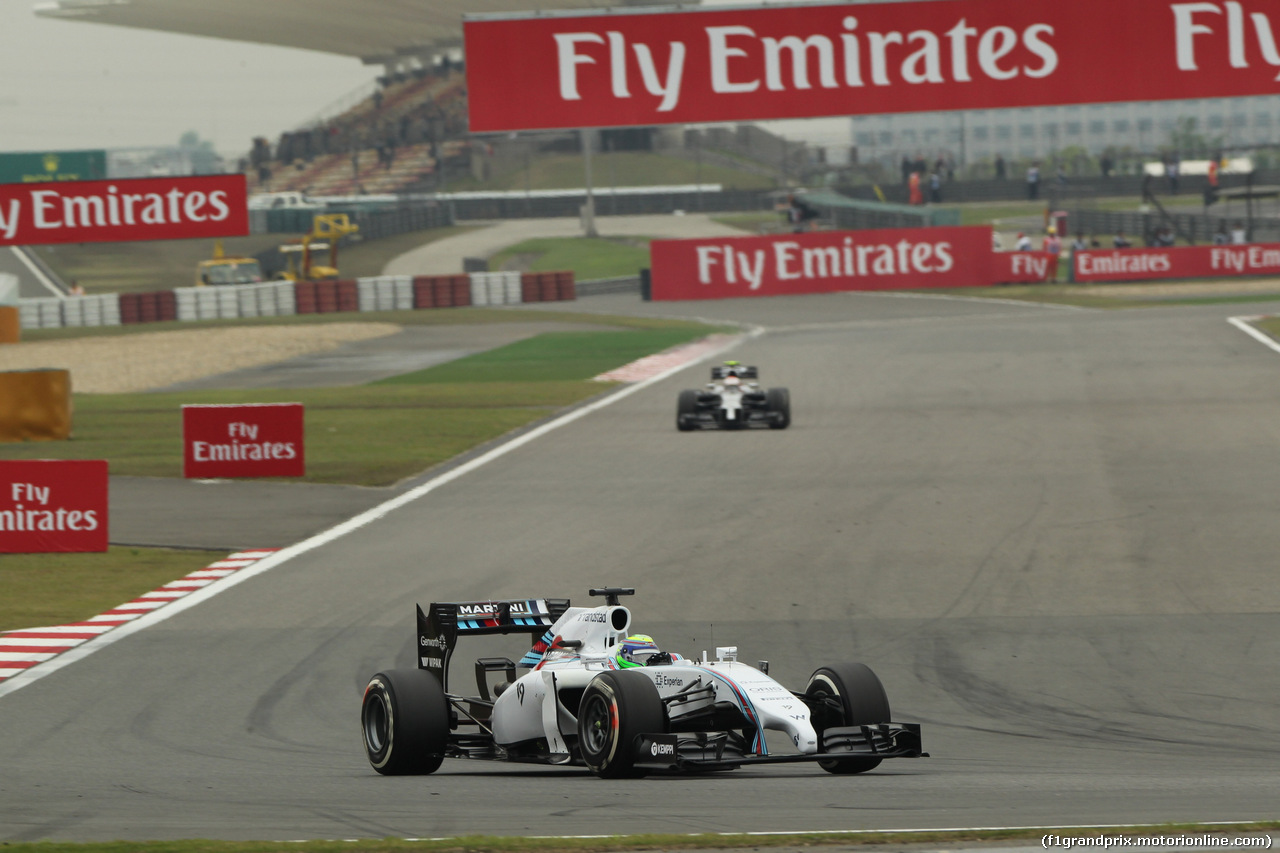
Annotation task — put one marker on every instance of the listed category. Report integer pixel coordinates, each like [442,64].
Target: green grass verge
[622,843]
[375,435]
[588,257]
[54,589]
[551,357]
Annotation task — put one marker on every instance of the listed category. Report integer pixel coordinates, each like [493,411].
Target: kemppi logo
[657,749]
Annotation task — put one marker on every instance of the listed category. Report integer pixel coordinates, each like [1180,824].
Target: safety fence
[285,298]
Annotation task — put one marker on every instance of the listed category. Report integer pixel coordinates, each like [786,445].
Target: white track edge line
[365,518]
[1243,324]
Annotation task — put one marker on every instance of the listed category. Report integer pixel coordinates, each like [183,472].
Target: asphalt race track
[1052,532]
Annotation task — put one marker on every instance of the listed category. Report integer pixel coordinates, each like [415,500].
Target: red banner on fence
[1023,267]
[251,440]
[796,61]
[53,506]
[121,211]
[820,262]
[1179,262]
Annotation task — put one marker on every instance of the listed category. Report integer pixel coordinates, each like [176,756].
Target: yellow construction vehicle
[327,229]
[221,269]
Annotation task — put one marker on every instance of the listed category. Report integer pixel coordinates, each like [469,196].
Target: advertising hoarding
[249,440]
[713,64]
[36,214]
[53,506]
[821,262]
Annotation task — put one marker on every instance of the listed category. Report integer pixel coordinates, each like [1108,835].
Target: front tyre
[778,401]
[405,722]
[846,694]
[687,411]
[615,708]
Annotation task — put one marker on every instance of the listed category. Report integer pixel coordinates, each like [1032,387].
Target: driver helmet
[636,651]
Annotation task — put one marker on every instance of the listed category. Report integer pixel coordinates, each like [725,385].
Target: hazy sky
[71,85]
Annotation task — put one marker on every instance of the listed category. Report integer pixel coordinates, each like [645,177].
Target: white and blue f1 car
[590,692]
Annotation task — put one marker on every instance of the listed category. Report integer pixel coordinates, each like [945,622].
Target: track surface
[1051,532]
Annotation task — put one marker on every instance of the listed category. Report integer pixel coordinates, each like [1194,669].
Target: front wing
[716,750]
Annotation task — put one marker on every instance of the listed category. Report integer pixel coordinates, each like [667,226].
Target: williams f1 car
[591,693]
[733,400]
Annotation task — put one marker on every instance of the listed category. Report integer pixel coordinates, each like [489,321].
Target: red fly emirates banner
[1180,262]
[251,440]
[52,505]
[821,262]
[120,211]
[795,61]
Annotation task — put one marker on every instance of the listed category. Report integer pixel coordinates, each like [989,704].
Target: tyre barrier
[283,298]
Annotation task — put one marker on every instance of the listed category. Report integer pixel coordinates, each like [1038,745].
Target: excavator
[327,229]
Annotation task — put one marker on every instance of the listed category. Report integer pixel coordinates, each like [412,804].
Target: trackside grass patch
[38,590]
[551,357]
[626,843]
[588,257]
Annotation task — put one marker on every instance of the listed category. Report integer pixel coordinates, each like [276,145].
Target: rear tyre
[405,722]
[779,403]
[846,694]
[687,411]
[615,707]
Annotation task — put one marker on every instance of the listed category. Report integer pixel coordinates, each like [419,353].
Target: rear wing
[721,371]
[442,624]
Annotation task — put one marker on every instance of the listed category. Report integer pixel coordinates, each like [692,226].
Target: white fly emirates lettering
[34,509]
[56,209]
[788,260]
[741,61]
[243,446]
[1203,30]
[1250,259]
[1116,263]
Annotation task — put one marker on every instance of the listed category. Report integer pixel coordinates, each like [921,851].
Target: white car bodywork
[531,708]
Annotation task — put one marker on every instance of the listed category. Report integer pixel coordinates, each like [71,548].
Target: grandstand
[400,138]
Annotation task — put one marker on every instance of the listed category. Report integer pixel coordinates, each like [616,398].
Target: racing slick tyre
[687,411]
[846,694]
[779,403]
[617,706]
[405,721]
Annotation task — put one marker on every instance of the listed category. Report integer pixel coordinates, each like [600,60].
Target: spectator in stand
[1079,244]
[906,169]
[1220,238]
[1239,236]
[1024,243]
[1171,171]
[1000,169]
[1163,237]
[935,187]
[914,194]
[1121,241]
[1107,165]
[1033,182]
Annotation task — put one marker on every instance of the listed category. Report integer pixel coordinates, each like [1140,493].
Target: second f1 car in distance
[592,693]
[733,400]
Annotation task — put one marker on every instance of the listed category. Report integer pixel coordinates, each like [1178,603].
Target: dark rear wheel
[617,706]
[405,722]
[847,694]
[779,403]
[687,411]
